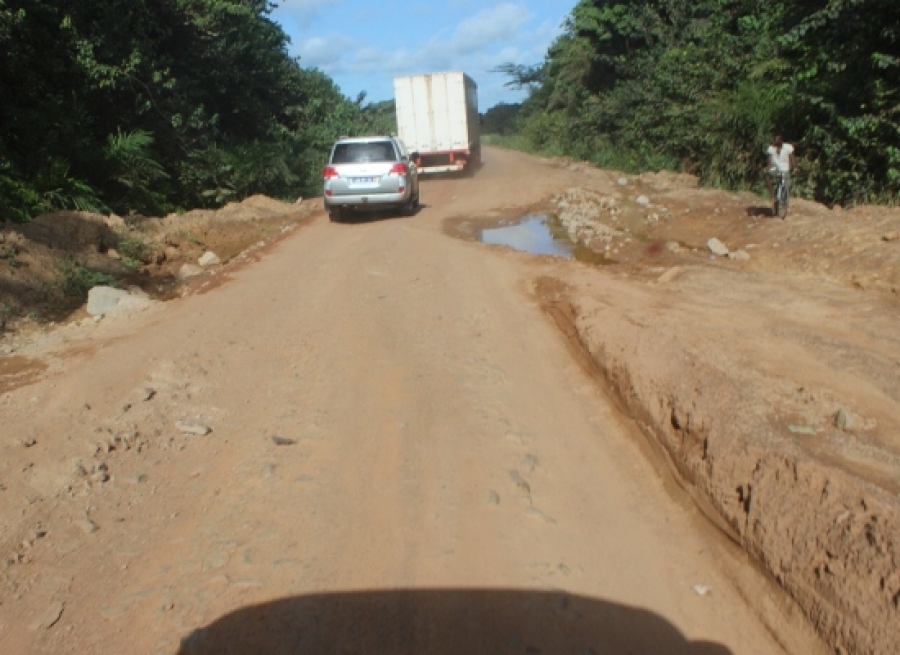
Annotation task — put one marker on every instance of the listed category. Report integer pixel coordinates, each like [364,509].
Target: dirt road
[404,457]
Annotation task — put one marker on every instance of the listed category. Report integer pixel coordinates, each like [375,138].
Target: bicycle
[782,195]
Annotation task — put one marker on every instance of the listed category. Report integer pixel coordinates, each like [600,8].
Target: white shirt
[782,160]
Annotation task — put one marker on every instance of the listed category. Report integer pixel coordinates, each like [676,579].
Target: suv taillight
[330,172]
[399,169]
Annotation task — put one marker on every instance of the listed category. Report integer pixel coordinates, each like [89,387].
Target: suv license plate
[365,180]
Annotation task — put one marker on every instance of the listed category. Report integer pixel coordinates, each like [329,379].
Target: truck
[438,120]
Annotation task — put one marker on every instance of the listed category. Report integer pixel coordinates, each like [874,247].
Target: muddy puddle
[541,234]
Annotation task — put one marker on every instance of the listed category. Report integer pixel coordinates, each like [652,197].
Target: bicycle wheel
[781,201]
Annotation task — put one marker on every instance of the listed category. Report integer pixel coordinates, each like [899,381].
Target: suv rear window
[361,153]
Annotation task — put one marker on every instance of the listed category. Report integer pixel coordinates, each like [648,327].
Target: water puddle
[540,234]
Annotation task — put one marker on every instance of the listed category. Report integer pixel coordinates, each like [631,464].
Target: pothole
[541,234]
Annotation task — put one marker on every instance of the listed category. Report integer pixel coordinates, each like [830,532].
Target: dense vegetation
[702,85]
[155,105]
[501,119]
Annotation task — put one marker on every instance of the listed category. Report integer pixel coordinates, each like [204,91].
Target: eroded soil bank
[768,381]
[48,266]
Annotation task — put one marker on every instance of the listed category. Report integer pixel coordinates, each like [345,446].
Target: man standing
[781,162]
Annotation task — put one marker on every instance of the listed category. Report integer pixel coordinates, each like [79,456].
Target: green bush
[134,250]
[76,280]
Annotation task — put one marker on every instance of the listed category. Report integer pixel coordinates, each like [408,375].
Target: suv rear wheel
[335,214]
[410,207]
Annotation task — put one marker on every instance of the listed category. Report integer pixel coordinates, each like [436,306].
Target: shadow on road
[375,216]
[469,172]
[432,622]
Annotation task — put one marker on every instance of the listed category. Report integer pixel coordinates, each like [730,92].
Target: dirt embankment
[768,380]
[48,266]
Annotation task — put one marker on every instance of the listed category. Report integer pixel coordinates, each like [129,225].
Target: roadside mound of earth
[762,359]
[48,266]
[664,220]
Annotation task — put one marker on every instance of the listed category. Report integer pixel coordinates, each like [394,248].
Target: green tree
[702,85]
[502,119]
[150,105]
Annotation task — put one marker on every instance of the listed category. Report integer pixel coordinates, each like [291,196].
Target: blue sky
[362,45]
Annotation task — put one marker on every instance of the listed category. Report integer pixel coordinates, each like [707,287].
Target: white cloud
[489,27]
[301,11]
[477,44]
[319,50]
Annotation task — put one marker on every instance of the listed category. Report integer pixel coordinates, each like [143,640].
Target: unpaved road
[405,457]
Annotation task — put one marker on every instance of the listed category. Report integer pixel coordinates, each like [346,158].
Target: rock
[846,420]
[102,299]
[890,236]
[673,246]
[170,253]
[49,618]
[669,275]
[189,271]
[107,300]
[193,429]
[281,441]
[843,419]
[112,253]
[106,446]
[642,200]
[716,247]
[209,258]
[298,200]
[126,440]
[131,304]
[147,394]
[100,473]
[701,589]
[739,255]
[622,181]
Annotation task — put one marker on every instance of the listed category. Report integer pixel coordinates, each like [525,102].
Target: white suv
[372,172]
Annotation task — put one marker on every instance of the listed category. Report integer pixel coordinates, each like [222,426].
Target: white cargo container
[437,117]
